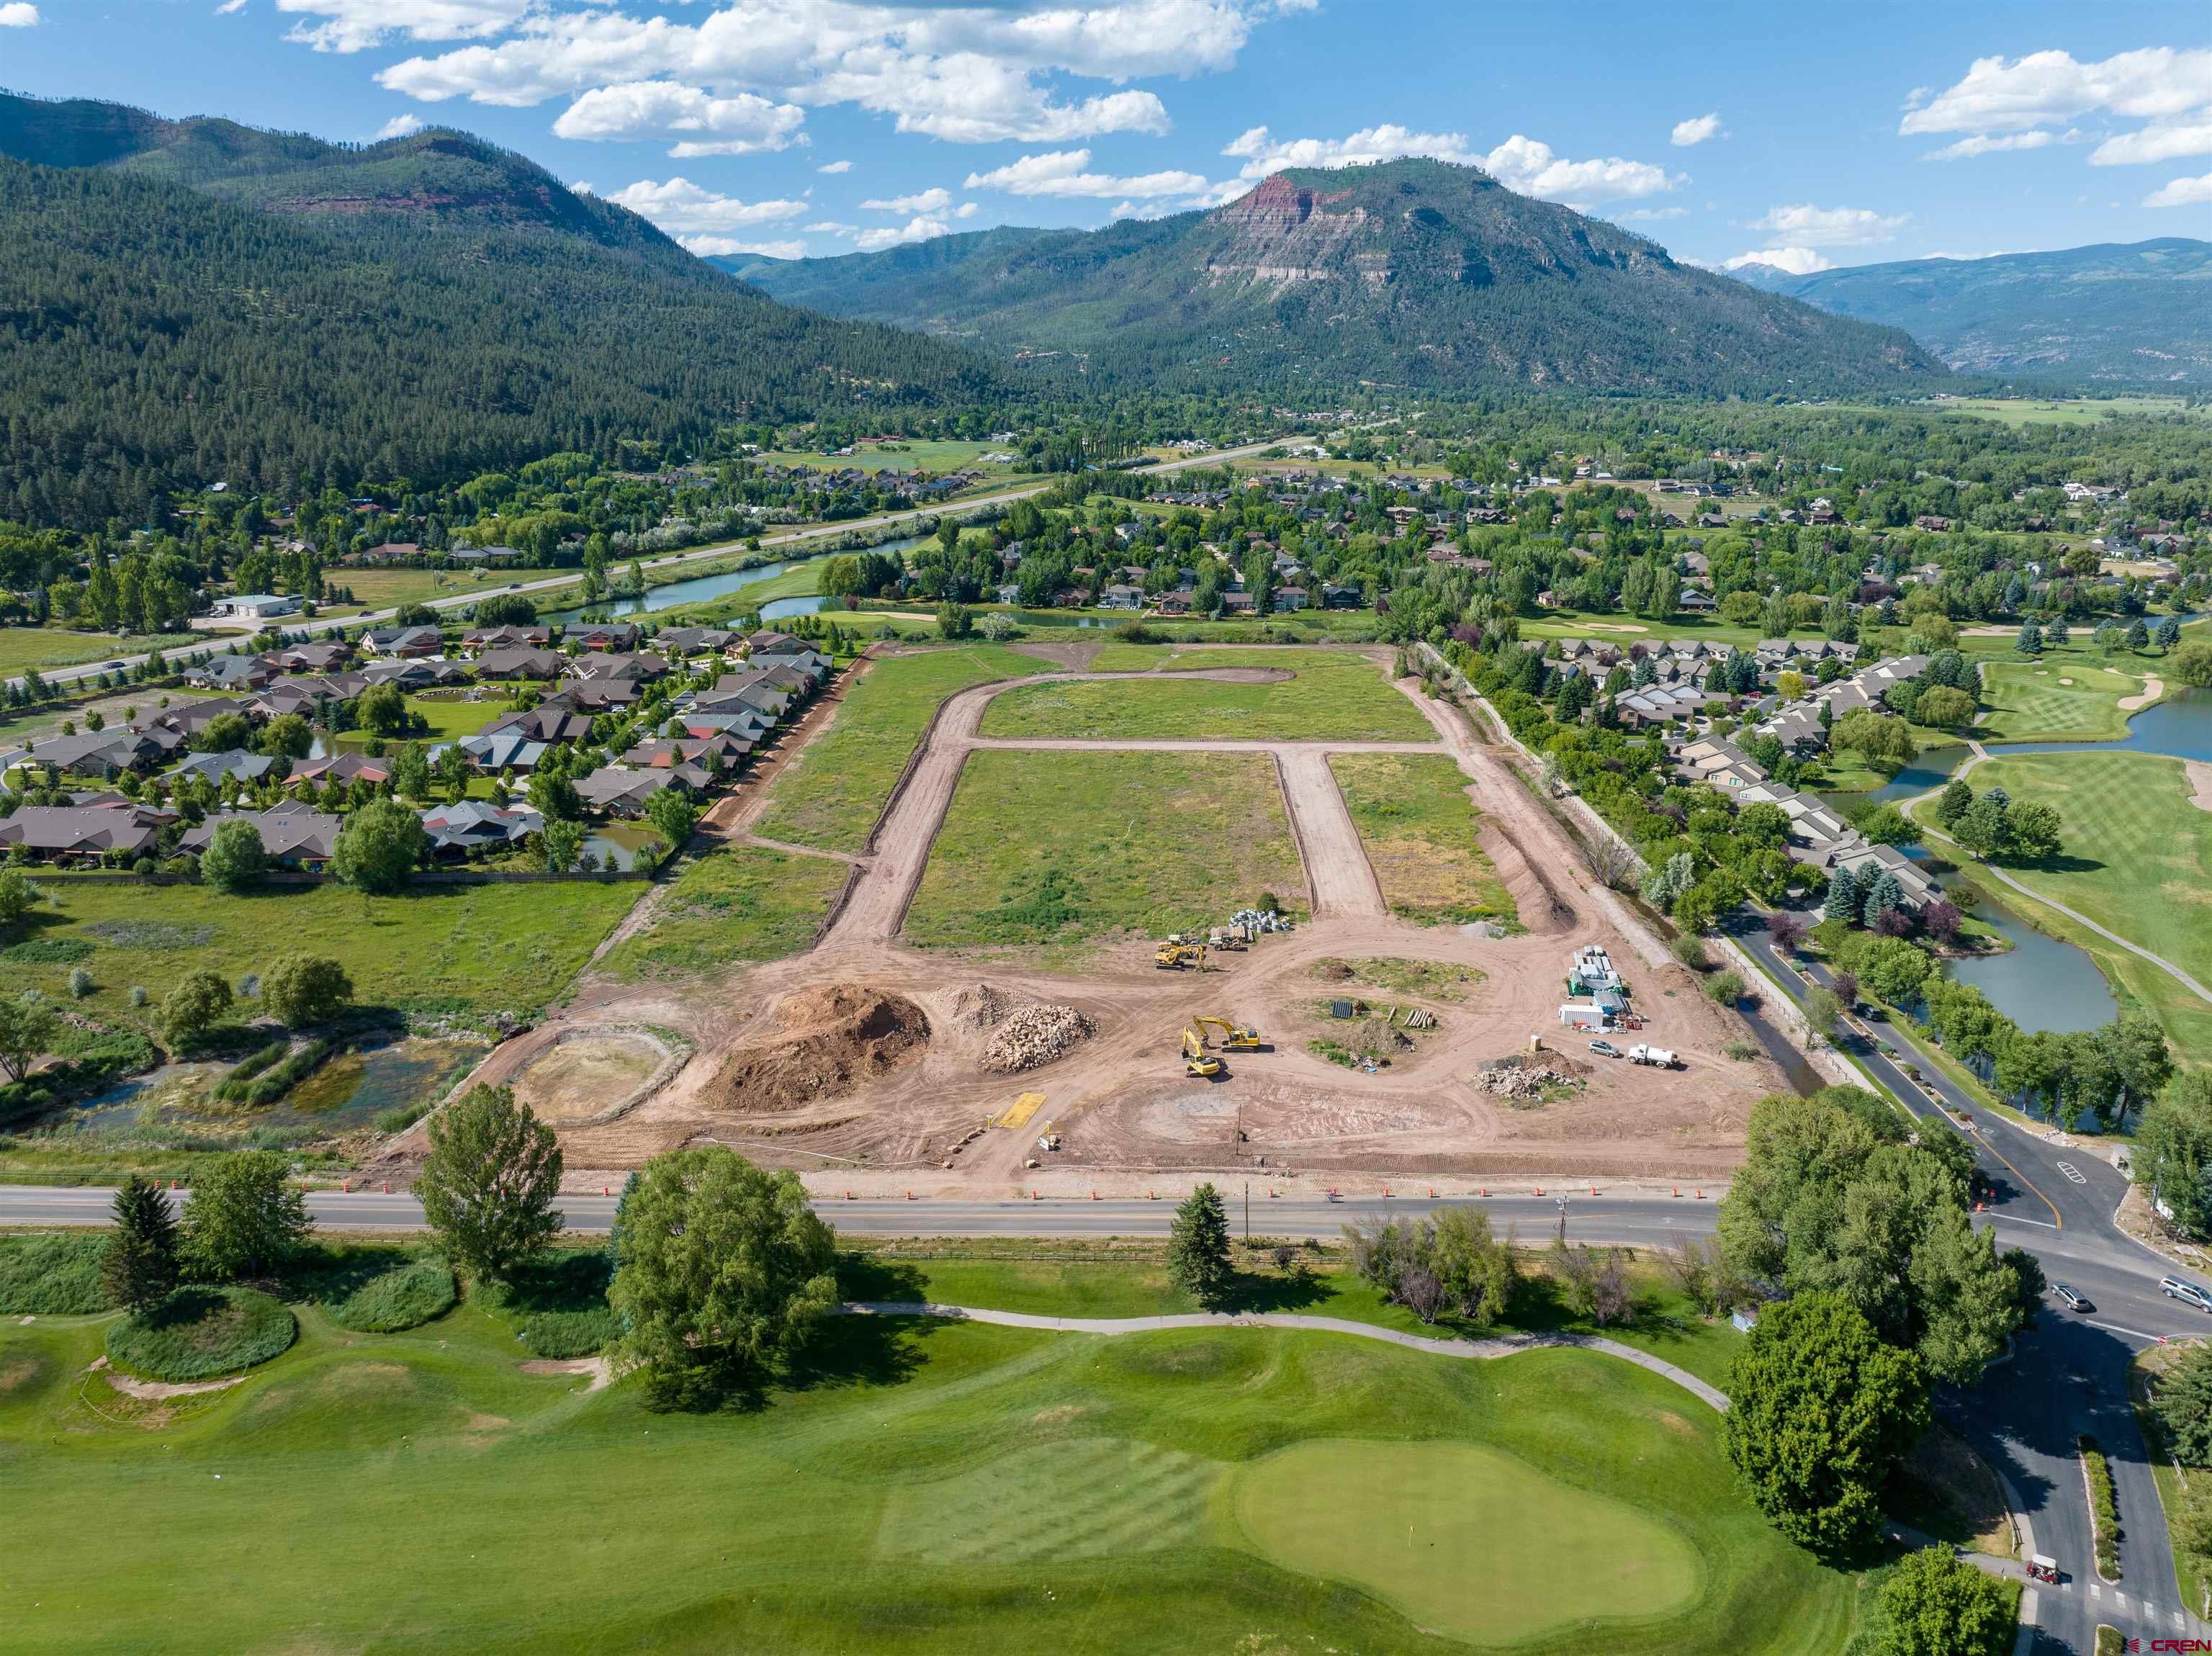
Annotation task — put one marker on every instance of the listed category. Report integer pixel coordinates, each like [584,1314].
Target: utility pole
[1563,1220]
[1247,1209]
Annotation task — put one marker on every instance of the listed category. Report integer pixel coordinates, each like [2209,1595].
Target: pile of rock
[1035,1033]
[984,1006]
[1523,1081]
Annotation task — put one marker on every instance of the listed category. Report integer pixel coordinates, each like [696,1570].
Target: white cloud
[2161,141]
[724,246]
[699,125]
[835,167]
[398,126]
[1528,166]
[1697,129]
[928,201]
[230,8]
[1066,172]
[919,229]
[2181,192]
[356,25]
[2047,88]
[1982,144]
[967,210]
[970,73]
[683,207]
[830,228]
[19,14]
[1520,163]
[1793,261]
[1803,225]
[1642,213]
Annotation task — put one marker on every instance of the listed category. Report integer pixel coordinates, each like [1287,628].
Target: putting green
[1462,1540]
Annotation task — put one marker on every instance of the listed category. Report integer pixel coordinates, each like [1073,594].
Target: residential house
[346,768]
[417,673]
[614,667]
[105,755]
[405,643]
[84,831]
[535,636]
[231,673]
[292,836]
[517,663]
[695,640]
[186,718]
[548,722]
[619,791]
[235,762]
[469,825]
[618,635]
[317,657]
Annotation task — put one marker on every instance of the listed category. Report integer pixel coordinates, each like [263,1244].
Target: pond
[615,844]
[2042,983]
[345,1096]
[1924,775]
[701,588]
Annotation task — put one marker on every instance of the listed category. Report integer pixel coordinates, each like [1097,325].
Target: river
[698,589]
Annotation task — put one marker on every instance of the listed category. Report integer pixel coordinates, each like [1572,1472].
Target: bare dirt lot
[865,1056]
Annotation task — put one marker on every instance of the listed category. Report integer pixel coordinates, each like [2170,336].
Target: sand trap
[835,1037]
[2153,688]
[2200,780]
[601,1369]
[158,1391]
[594,1075]
[2065,680]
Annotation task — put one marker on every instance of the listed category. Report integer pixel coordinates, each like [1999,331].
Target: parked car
[2073,1299]
[2188,1293]
[1605,1049]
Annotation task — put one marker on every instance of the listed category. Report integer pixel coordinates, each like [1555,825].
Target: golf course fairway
[1461,1540]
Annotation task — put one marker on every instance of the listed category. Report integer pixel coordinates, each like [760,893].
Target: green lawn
[2137,858]
[2027,702]
[1062,849]
[918,1488]
[2070,411]
[1334,695]
[730,906]
[22,648]
[384,589]
[1414,818]
[473,948]
[832,792]
[449,718]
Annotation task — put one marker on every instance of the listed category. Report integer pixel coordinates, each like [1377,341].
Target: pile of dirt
[985,1008]
[1378,1040]
[1334,971]
[1033,1035]
[1522,1079]
[834,1039]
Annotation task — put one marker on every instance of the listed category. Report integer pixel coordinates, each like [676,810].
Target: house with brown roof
[602,636]
[81,832]
[512,663]
[292,836]
[536,636]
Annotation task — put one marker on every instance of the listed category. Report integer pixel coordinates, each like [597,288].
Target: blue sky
[1847,133]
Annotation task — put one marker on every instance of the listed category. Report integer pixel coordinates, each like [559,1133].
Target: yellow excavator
[1173,955]
[1196,1060]
[1235,1037]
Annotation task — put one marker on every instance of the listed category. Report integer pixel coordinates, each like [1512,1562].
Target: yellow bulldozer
[1196,1060]
[1173,955]
[1235,1037]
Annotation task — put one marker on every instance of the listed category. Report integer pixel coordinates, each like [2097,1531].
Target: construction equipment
[1173,956]
[1235,1037]
[1196,1060]
[1227,937]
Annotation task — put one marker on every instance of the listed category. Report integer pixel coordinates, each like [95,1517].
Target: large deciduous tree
[233,859]
[1820,1410]
[1935,1604]
[301,989]
[721,1271]
[378,846]
[245,1217]
[489,1184]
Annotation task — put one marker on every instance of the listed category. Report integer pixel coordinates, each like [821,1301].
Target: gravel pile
[986,1008]
[1034,1033]
[1523,1081]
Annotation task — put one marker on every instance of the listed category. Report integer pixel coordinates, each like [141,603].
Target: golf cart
[2043,1568]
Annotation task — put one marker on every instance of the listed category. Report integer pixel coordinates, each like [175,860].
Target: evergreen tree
[139,1264]
[2030,641]
[1198,1247]
[1842,902]
[1883,896]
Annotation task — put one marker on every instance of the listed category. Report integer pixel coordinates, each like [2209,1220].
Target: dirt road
[1338,876]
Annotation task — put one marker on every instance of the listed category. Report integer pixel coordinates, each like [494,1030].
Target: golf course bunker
[1462,1540]
[594,1075]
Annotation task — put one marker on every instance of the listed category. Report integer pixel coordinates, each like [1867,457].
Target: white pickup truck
[1657,1056]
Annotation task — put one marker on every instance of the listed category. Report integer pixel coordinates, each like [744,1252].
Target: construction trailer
[1583,1015]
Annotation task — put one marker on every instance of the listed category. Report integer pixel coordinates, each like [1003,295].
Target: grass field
[2137,858]
[1335,696]
[832,793]
[448,717]
[383,589]
[2067,411]
[1414,819]
[917,1488]
[470,948]
[24,648]
[1616,628]
[729,907]
[2028,703]
[1059,849]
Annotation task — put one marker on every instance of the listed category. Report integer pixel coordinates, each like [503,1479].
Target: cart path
[1503,1346]
[1338,874]
[1980,753]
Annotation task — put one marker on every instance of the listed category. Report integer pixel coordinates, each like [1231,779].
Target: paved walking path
[1505,1346]
[2163,965]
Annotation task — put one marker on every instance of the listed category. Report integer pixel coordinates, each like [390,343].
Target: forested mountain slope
[1413,272]
[185,302]
[2139,315]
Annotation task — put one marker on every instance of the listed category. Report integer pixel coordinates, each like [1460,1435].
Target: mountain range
[184,302]
[2137,314]
[1414,272]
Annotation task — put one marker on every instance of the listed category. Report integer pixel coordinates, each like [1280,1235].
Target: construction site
[1305,1039]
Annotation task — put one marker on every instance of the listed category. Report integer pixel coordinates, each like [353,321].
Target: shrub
[80,982]
[1726,988]
[199,1332]
[557,1303]
[412,1292]
[52,1276]
[1741,1051]
[399,1119]
[1690,950]
[2103,1507]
